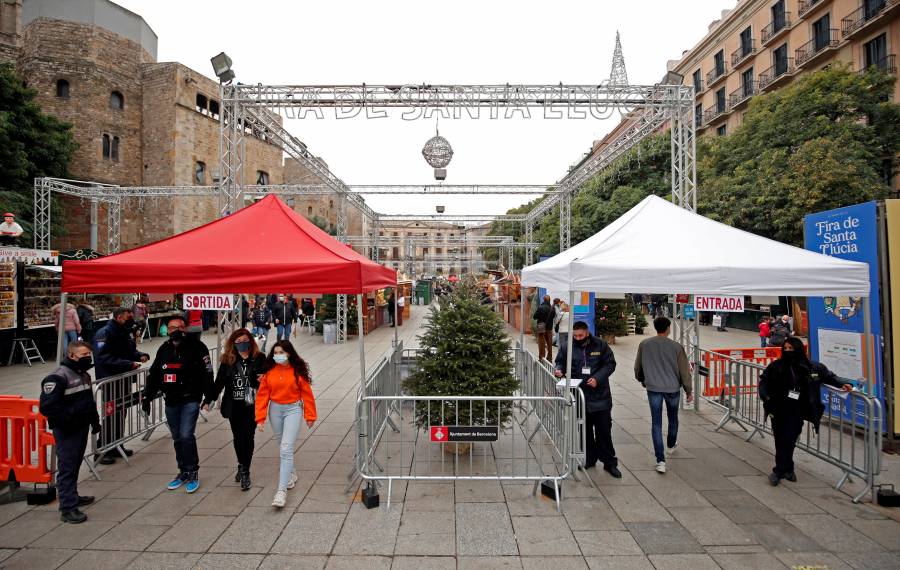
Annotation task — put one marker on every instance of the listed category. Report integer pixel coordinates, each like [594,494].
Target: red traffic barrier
[24,442]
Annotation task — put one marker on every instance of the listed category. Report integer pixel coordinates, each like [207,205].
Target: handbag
[541,327]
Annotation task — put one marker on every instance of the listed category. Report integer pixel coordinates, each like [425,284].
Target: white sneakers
[281,494]
[661,467]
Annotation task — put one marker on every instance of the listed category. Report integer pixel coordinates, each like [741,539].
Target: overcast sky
[461,42]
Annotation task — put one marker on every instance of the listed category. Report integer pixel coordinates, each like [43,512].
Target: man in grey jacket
[661,366]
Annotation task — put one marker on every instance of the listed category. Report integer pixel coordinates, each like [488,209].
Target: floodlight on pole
[222,67]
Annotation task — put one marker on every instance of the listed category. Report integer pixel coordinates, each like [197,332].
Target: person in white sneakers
[284,389]
[661,366]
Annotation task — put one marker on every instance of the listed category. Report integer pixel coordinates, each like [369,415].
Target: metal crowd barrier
[122,420]
[393,447]
[850,433]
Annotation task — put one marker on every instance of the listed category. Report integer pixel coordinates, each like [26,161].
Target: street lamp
[222,67]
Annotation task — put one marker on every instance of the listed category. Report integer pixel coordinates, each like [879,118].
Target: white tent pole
[63,299]
[364,417]
[569,347]
[522,316]
[868,369]
[396,319]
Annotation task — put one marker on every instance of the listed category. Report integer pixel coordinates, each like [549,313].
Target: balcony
[807,6]
[741,95]
[887,64]
[776,74]
[742,53]
[777,27]
[715,75]
[699,87]
[816,47]
[712,114]
[860,19]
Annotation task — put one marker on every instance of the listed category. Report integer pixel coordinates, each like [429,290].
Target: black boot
[237,475]
[73,516]
[245,478]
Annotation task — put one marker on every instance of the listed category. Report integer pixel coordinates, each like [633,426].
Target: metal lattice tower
[617,75]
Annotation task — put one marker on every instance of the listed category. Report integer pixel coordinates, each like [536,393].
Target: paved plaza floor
[713,509]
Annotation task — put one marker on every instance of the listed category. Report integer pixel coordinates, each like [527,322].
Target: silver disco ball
[437,152]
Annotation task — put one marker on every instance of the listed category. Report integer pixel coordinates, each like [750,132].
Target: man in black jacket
[67,401]
[544,316]
[593,363]
[183,372]
[116,353]
[283,315]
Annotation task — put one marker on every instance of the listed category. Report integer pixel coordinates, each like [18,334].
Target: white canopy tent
[658,247]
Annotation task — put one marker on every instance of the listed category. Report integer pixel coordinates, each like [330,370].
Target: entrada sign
[208,302]
[719,304]
[451,434]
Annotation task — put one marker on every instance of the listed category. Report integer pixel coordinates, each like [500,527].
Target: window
[116,100]
[720,100]
[437,250]
[200,173]
[779,18]
[698,115]
[331,204]
[822,32]
[114,149]
[721,131]
[424,251]
[875,52]
[746,42]
[309,211]
[719,60]
[106,145]
[213,108]
[202,104]
[395,253]
[62,88]
[698,82]
[262,178]
[873,7]
[747,82]
[781,59]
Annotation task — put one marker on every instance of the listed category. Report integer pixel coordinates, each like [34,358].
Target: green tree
[32,144]
[611,317]
[817,144]
[467,354]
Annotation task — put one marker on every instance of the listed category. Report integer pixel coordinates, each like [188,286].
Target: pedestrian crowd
[253,387]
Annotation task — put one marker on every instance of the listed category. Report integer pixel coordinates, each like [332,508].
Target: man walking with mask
[67,401]
[116,353]
[183,372]
[284,316]
[593,363]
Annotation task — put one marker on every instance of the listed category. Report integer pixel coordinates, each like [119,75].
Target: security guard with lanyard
[67,402]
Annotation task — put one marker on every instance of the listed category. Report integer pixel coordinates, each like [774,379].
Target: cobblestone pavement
[713,509]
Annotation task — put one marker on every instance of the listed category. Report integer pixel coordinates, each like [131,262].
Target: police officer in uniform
[593,363]
[183,372]
[116,353]
[68,403]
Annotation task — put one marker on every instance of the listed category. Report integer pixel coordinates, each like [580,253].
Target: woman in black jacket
[790,389]
[240,367]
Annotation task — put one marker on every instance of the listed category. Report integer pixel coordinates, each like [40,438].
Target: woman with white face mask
[284,389]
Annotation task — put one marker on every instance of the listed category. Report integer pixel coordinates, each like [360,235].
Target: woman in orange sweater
[281,390]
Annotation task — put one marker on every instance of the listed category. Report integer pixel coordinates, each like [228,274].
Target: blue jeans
[656,402]
[182,420]
[283,330]
[763,341]
[70,336]
[285,420]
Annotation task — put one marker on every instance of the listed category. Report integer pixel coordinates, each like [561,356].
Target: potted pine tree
[610,320]
[468,355]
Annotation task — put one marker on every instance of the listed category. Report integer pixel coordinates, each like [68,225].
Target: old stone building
[137,122]
[436,248]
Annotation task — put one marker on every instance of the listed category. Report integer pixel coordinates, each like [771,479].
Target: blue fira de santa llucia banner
[836,323]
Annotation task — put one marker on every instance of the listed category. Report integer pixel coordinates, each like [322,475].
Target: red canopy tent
[263,248]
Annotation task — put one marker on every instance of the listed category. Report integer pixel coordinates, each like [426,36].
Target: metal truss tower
[617,75]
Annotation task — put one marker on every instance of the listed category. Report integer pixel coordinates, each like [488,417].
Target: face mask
[581,342]
[280,358]
[128,324]
[176,336]
[83,364]
[789,356]
[242,346]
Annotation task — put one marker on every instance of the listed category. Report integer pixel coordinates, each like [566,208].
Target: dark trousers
[599,439]
[786,428]
[243,427]
[545,344]
[116,398]
[656,400]
[70,446]
[182,420]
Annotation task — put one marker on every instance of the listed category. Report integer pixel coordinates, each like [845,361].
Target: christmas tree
[467,354]
[611,320]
